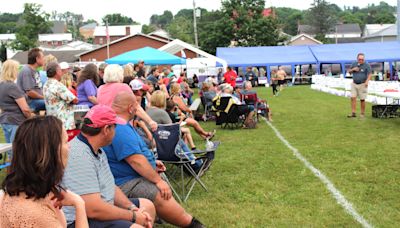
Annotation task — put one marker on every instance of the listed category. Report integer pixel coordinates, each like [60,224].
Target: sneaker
[362,116]
[352,115]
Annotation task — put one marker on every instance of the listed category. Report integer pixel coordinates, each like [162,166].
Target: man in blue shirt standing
[359,88]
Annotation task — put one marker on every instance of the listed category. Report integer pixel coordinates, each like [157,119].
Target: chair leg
[165,178]
[196,179]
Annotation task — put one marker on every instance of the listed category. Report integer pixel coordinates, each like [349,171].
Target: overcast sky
[142,10]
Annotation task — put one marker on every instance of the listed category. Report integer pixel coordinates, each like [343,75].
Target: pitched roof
[118,30]
[307,29]
[122,39]
[62,56]
[348,28]
[304,35]
[373,28]
[89,26]
[59,27]
[340,29]
[388,31]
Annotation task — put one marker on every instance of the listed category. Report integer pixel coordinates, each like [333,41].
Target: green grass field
[256,181]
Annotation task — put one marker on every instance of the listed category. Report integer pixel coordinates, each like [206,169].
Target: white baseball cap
[64,65]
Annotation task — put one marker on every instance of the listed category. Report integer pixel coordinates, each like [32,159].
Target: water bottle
[209,145]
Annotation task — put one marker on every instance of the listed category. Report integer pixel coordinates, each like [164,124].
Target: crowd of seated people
[105,173]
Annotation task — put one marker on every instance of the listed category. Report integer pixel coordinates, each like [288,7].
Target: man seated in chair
[136,170]
[247,110]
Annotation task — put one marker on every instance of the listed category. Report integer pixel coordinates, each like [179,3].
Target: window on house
[101,40]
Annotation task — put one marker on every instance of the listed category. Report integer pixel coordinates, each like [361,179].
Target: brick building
[125,44]
[115,33]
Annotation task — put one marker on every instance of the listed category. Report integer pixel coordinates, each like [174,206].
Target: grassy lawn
[256,181]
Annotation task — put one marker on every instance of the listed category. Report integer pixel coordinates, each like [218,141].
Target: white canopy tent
[207,65]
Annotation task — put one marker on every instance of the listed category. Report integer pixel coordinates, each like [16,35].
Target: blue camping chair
[169,151]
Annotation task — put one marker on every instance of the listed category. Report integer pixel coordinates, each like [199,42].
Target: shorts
[281,82]
[140,188]
[359,90]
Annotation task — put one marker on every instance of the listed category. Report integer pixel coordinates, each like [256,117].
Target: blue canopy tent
[267,56]
[149,55]
[347,53]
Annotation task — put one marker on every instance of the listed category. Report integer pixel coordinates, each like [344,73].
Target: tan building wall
[300,41]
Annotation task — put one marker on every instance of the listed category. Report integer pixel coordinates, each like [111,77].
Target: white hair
[113,73]
[247,85]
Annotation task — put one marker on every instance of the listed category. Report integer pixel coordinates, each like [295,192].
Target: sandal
[211,135]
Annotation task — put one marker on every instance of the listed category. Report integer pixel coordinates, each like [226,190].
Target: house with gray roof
[389,33]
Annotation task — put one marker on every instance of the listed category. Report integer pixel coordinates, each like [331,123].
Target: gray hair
[51,69]
[113,73]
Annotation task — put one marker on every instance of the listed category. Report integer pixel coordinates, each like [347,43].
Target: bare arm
[140,164]
[146,118]
[93,99]
[23,105]
[120,200]
[146,130]
[182,106]
[97,209]
[34,95]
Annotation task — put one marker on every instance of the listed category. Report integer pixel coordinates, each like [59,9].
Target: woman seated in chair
[175,91]
[33,195]
[158,113]
[247,110]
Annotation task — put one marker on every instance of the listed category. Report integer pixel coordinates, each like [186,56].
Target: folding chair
[207,104]
[227,113]
[260,107]
[167,138]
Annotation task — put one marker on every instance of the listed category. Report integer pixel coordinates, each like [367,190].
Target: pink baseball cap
[138,84]
[102,115]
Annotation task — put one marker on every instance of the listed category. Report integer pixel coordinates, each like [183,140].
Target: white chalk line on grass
[329,185]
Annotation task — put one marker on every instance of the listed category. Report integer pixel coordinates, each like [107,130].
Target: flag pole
[108,40]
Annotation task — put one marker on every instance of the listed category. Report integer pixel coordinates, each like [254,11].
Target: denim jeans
[189,155]
[37,105]
[9,132]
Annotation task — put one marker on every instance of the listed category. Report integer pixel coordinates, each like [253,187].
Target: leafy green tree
[181,28]
[8,22]
[288,19]
[35,22]
[118,19]
[215,30]
[250,27]
[162,21]
[322,17]
[146,29]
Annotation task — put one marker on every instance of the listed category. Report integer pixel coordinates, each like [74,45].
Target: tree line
[237,22]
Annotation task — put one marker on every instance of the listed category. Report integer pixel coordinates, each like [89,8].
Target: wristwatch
[133,217]
[131,207]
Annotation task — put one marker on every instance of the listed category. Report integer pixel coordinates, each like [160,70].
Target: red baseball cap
[102,115]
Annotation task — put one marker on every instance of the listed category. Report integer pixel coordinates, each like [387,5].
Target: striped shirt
[87,172]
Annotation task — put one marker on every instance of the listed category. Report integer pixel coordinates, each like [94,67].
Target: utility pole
[196,39]
[398,20]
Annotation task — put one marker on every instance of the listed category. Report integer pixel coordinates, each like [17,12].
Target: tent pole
[391,70]
[268,74]
[293,73]
[343,66]
[318,68]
